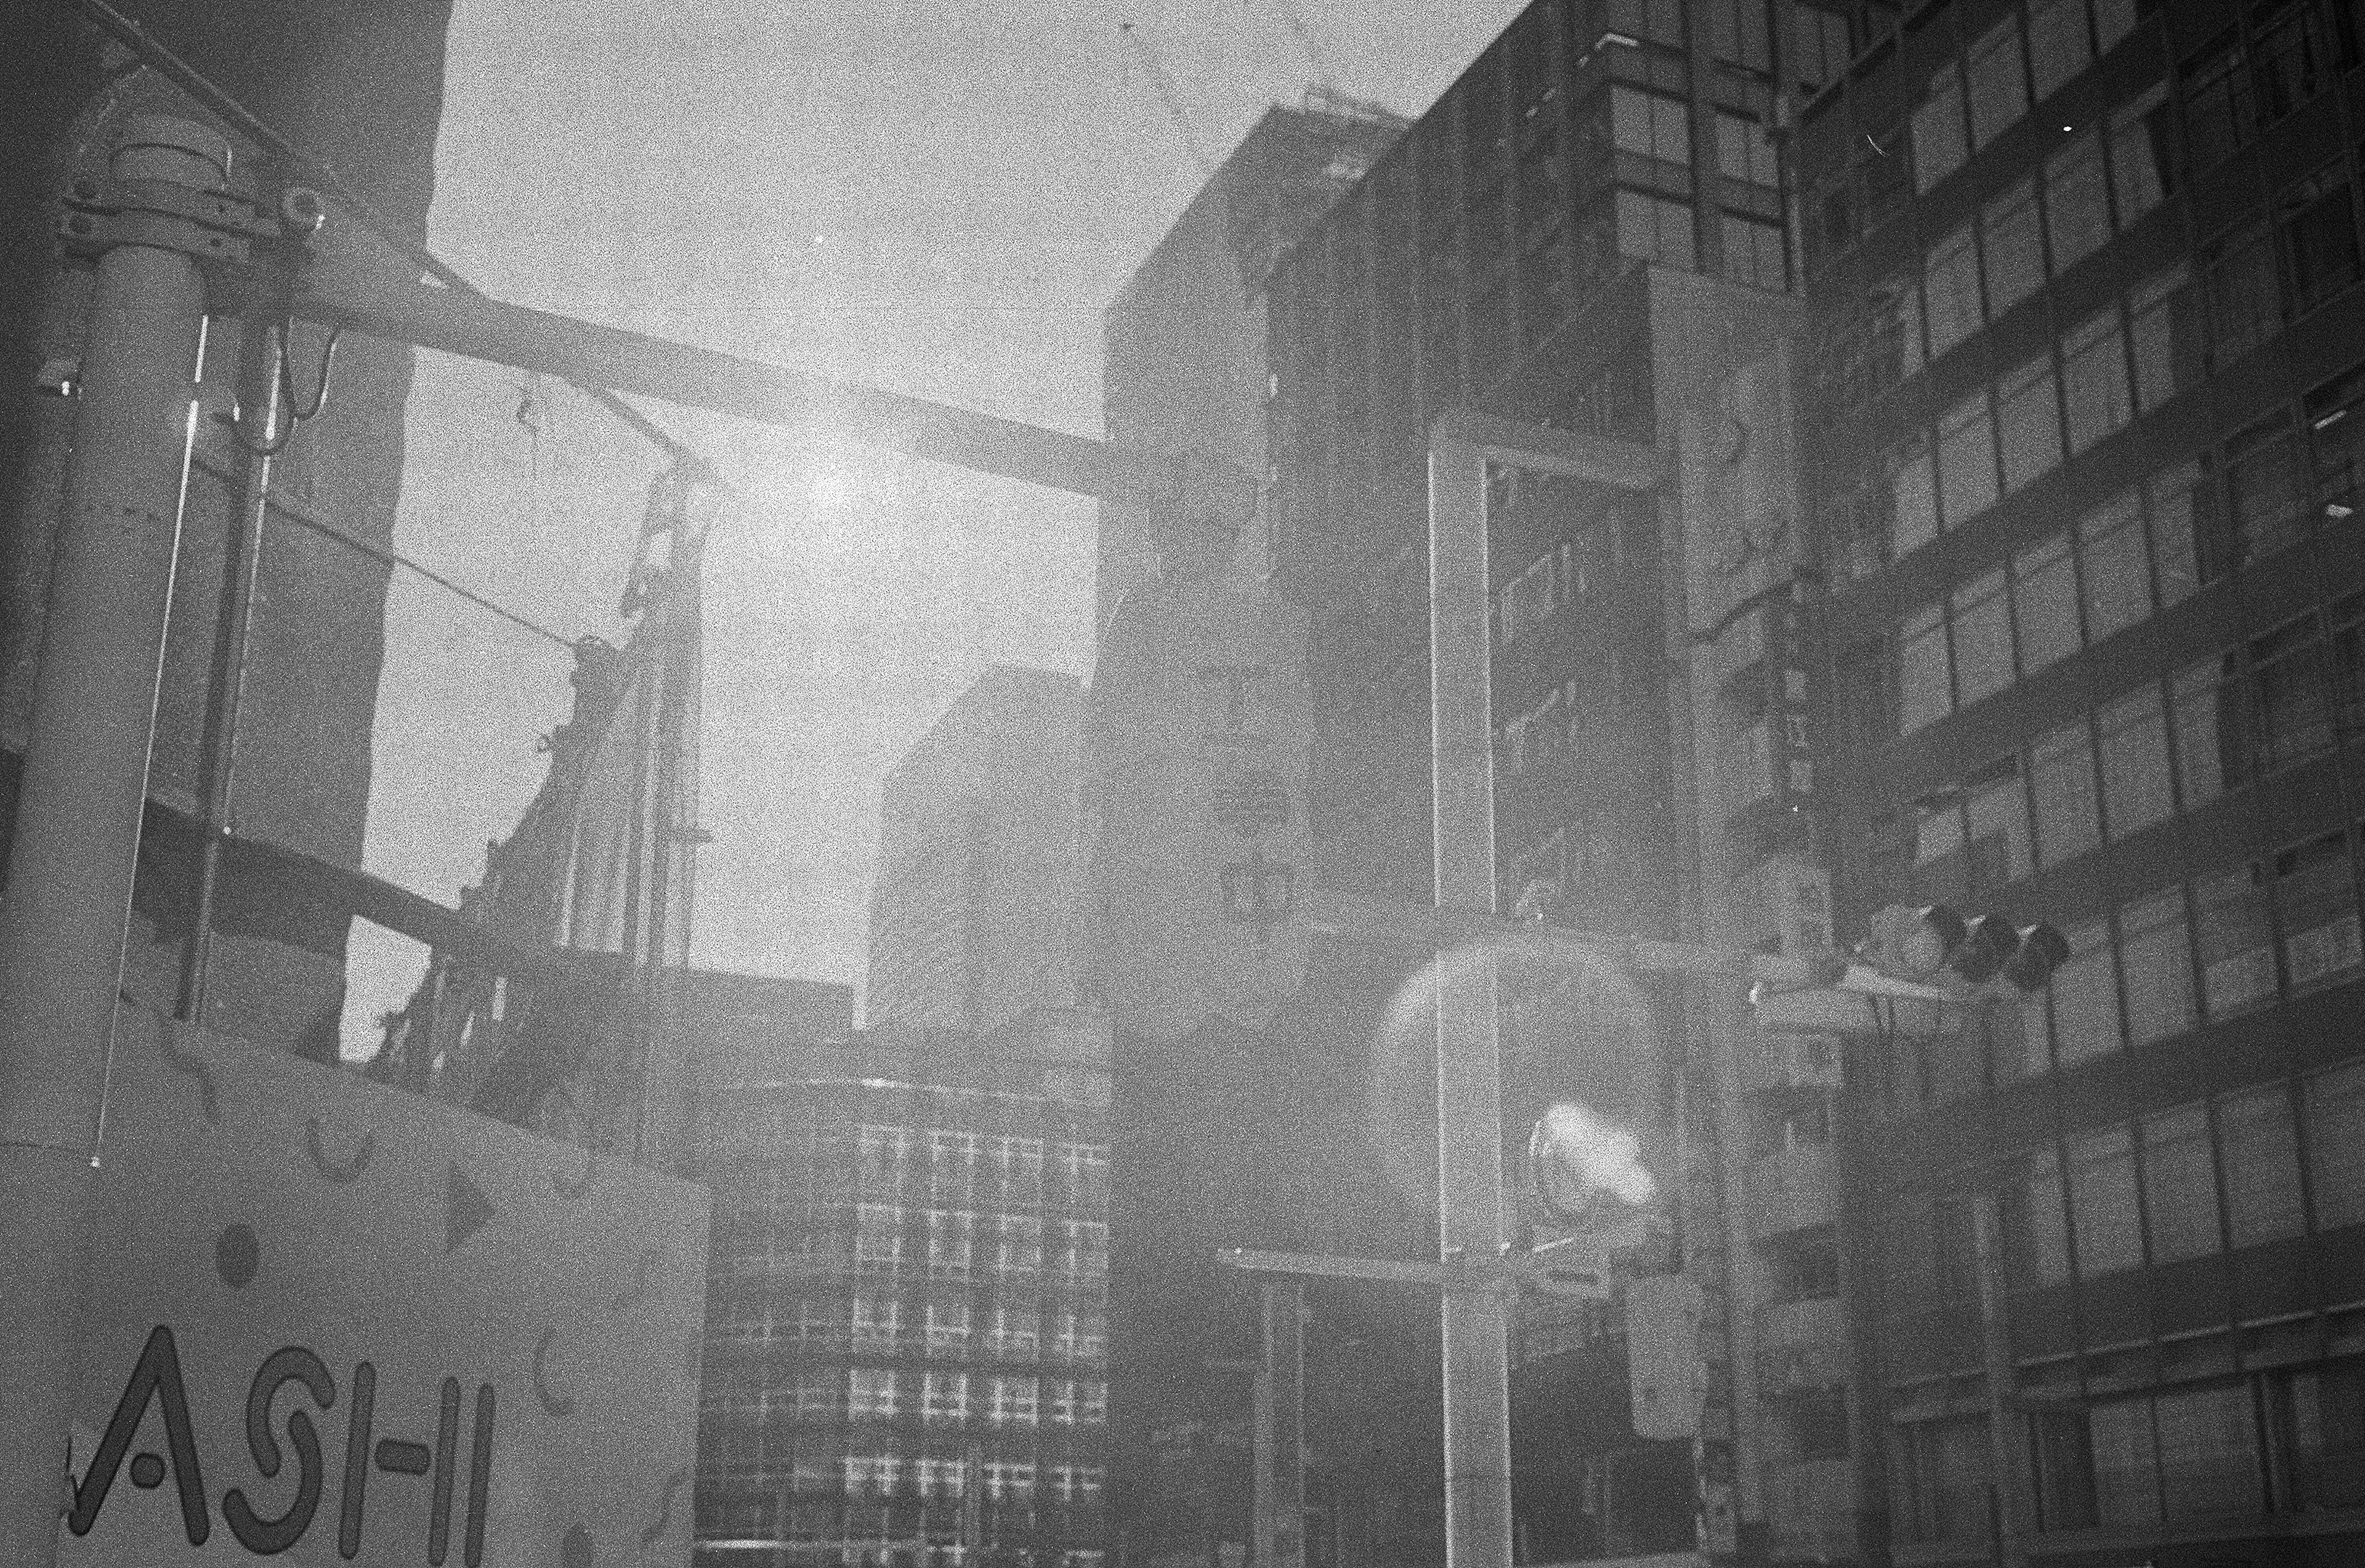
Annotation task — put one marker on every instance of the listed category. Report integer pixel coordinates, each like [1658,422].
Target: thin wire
[273,445]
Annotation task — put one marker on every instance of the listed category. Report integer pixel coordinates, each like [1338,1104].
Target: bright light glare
[833,487]
[1585,1150]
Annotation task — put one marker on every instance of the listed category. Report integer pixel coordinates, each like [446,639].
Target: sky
[937,200]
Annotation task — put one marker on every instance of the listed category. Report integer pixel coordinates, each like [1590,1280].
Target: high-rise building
[2081,372]
[973,912]
[359,84]
[906,1300]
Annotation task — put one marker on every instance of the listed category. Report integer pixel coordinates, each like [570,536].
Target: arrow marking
[466,1210]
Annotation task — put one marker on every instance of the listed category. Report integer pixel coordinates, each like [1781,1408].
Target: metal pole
[1281,1428]
[78,828]
[1475,1328]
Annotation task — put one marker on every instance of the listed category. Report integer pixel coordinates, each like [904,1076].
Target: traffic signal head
[1908,943]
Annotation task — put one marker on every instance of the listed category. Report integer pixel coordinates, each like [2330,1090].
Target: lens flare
[1577,1154]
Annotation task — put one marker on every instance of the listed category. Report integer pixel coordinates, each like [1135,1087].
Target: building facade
[972,913]
[907,1289]
[2079,388]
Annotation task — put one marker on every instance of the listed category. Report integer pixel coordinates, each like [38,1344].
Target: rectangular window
[947,1327]
[2028,422]
[1997,817]
[1652,228]
[2180,1185]
[2044,602]
[2102,1211]
[2126,1462]
[1819,46]
[1015,1402]
[2315,910]
[2094,379]
[2143,153]
[1982,638]
[2114,577]
[2155,956]
[2077,202]
[2220,113]
[1754,253]
[2317,225]
[2085,997]
[2258,1149]
[2134,750]
[1651,126]
[1923,692]
[2237,955]
[2327,1420]
[2291,63]
[2015,248]
[2290,698]
[2336,445]
[1913,498]
[2061,777]
[2245,309]
[1019,1252]
[873,1391]
[943,1396]
[2058,45]
[2336,1146]
[2202,734]
[1967,461]
[2265,489]
[1999,81]
[2169,504]
[2170,350]
[1742,152]
[2039,1227]
[1737,32]
[2209,1453]
[1940,142]
[1950,290]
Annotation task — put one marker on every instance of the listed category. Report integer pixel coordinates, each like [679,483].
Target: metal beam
[1540,449]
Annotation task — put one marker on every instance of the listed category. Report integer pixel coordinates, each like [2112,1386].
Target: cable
[273,445]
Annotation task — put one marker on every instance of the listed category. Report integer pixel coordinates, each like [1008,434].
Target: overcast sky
[935,199]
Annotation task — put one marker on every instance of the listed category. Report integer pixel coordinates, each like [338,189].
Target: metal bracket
[245,251]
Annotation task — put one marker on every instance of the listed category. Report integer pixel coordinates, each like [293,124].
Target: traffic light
[1919,944]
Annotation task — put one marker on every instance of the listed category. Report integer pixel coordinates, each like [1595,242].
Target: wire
[273,445]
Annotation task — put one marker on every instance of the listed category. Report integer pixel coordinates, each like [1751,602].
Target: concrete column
[68,895]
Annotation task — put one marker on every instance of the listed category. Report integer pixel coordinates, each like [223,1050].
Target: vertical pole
[1476,1327]
[2008,1488]
[77,829]
[1281,1428]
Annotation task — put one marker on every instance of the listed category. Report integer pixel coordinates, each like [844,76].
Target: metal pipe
[77,831]
[1475,1331]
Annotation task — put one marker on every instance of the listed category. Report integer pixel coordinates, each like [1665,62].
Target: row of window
[889,1239]
[1016,1400]
[1542,589]
[2278,1442]
[2259,70]
[1008,1331]
[945,1163]
[1971,101]
[1001,1480]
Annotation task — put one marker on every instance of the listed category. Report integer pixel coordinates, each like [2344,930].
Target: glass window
[2219,112]
[2317,225]
[1997,815]
[2327,1409]
[1967,461]
[2028,422]
[2015,248]
[2057,46]
[2155,956]
[2103,1210]
[871,1390]
[2180,1184]
[2085,997]
[2114,19]
[1999,81]
[2265,489]
[2290,697]
[2336,1146]
[2315,909]
[1896,335]
[2038,1225]
[2289,63]
[2165,335]
[1754,253]
[1737,32]
[1651,126]
[1939,141]
[1914,493]
[2044,602]
[1924,693]
[2170,494]
[2245,309]
[1653,229]
[1819,46]
[1982,638]
[2134,751]
[2143,153]
[1742,152]
[2257,1148]
[2061,777]
[2114,578]
[2094,379]
[2209,1453]
[1950,288]
[2204,741]
[2077,202]
[2126,1462]
[2237,958]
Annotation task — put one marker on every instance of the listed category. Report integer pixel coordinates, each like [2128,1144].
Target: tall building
[973,915]
[360,85]
[907,1288]
[2080,379]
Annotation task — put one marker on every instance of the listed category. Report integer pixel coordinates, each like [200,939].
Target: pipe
[77,830]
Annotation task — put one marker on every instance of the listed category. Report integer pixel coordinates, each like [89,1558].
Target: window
[1737,32]
[2244,309]
[2077,202]
[2165,335]
[2327,1425]
[2085,997]
[2134,755]
[947,1327]
[1941,1480]
[2315,906]
[1743,153]
[2208,1452]
[2094,380]
[1819,46]
[1009,1480]
[952,1165]
[1015,1401]
[2044,602]
[2237,958]
[2265,489]
[2028,422]
[1019,1254]
[2115,578]
[878,1238]
[1996,817]
[2143,153]
[1924,691]
[2290,697]
[1967,461]
[1651,126]
[1652,228]
[2015,248]
[2336,1146]
[2168,496]
[871,1475]
[942,1479]
[1982,638]
[2061,779]
[1999,81]
[2259,1151]
[2202,732]
[1940,143]
[2126,1462]
[2155,956]
[1017,1331]
[2038,1225]
[1912,497]
[878,1322]
[2058,45]
[2336,445]
[1084,1176]
[952,1236]
[2180,1185]
[2103,1212]
[1950,284]
[873,1391]
[2317,225]
[1895,337]
[2292,63]
[1754,254]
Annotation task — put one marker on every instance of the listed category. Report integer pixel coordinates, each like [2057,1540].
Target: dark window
[2335,421]
[2044,603]
[2292,62]
[2037,1224]
[2207,755]
[2245,309]
[2318,229]
[2144,167]
[2061,779]
[2028,422]
[2135,788]
[2238,956]
[2170,350]
[2015,246]
[2094,379]
[1998,81]
[2155,956]
[2264,490]
[2326,1407]
[2219,113]
[2085,997]
[2180,1185]
[2336,1146]
[1737,31]
[2257,1148]
[1754,254]
[2116,579]
[1940,142]
[2059,47]
[2315,911]
[1819,47]
[2104,1211]
[2077,202]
